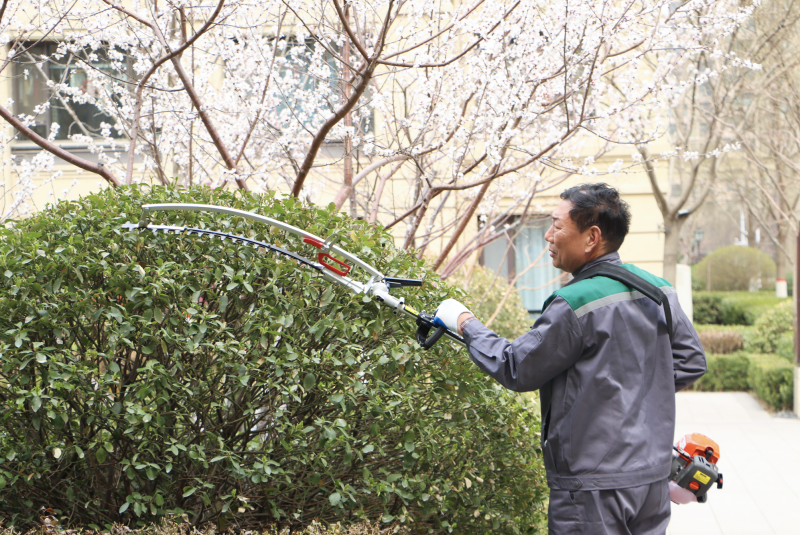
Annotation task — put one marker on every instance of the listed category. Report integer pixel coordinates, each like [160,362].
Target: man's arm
[552,345]
[688,356]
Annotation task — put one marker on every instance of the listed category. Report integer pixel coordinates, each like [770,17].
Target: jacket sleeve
[688,356]
[553,344]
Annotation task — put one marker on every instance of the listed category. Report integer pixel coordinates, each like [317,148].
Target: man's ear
[594,239]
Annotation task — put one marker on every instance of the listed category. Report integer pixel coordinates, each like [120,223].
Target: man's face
[567,244]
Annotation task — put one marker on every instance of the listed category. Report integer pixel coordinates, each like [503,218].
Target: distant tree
[706,102]
[768,184]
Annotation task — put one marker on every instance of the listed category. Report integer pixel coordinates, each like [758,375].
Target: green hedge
[772,379]
[731,308]
[145,376]
[725,373]
[769,376]
[775,330]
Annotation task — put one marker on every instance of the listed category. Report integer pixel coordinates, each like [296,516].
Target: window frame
[43,128]
[511,256]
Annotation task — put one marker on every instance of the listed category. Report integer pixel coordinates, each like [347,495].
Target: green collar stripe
[617,298]
[589,291]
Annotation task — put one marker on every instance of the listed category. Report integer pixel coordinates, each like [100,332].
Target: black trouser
[634,511]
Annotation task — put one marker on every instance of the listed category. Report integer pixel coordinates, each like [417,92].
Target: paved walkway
[760,459]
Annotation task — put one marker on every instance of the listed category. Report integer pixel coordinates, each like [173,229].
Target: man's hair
[601,205]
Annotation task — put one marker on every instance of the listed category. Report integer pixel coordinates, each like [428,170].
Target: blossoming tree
[414,112]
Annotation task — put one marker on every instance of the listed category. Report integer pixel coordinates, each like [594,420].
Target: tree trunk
[348,121]
[672,247]
[781,262]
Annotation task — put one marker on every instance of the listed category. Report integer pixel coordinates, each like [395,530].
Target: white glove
[447,314]
[680,495]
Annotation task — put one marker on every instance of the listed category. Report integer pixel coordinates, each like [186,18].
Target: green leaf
[369,448]
[124,507]
[335,499]
[36,403]
[309,381]
[101,455]
[188,491]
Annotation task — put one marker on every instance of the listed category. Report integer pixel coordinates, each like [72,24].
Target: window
[528,262]
[78,108]
[307,73]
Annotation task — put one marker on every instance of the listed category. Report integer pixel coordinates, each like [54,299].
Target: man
[607,371]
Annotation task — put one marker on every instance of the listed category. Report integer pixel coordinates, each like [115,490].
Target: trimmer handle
[424,324]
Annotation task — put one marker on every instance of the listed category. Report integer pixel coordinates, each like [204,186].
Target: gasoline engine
[694,468]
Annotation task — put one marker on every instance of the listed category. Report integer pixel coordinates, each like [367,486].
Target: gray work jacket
[600,356]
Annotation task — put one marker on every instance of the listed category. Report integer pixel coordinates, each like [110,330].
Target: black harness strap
[631,280]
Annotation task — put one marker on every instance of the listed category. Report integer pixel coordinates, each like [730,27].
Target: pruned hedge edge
[172,528]
[769,376]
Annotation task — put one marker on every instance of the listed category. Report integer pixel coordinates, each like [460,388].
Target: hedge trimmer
[331,268]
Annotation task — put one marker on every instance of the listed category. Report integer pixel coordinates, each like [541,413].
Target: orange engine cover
[697,444]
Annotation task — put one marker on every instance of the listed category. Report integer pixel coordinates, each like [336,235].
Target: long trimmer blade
[222,235]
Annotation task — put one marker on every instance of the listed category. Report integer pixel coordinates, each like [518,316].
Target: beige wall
[643,246]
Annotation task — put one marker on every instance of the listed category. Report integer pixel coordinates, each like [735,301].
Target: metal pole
[795,290]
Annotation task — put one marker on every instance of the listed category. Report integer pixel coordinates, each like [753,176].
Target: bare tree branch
[49,146]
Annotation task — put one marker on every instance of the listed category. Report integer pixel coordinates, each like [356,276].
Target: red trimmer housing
[694,465]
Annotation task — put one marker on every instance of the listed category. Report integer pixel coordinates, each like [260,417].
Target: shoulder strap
[631,280]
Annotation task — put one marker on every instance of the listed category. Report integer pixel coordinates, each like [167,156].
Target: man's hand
[450,314]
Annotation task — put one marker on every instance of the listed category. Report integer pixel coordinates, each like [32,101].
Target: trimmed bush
[771,328]
[784,346]
[731,308]
[722,343]
[733,268]
[726,373]
[707,309]
[721,310]
[746,331]
[772,379]
[149,375]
